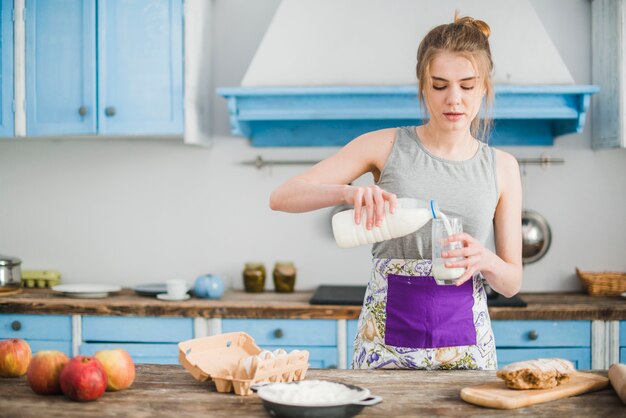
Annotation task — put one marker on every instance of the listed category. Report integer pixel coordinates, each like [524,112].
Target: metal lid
[6,260]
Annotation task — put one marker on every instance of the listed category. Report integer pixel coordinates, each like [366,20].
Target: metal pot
[10,274]
[362,398]
[536,236]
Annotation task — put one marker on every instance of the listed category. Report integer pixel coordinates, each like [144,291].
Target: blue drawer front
[40,345]
[622,334]
[548,333]
[134,329]
[350,334]
[622,355]
[36,327]
[140,353]
[319,357]
[581,357]
[295,332]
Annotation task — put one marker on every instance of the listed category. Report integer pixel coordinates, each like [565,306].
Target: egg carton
[234,362]
[40,278]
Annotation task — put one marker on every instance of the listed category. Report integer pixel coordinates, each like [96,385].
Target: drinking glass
[442,228]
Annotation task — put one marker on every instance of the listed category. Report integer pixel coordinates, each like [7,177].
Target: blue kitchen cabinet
[525,340]
[60,67]
[318,336]
[622,342]
[140,67]
[104,67]
[147,339]
[41,332]
[350,334]
[6,68]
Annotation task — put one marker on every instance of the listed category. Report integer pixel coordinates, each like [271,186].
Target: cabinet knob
[278,333]
[109,111]
[533,335]
[16,325]
[82,110]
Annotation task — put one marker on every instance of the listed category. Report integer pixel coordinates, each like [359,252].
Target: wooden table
[170,391]
[238,304]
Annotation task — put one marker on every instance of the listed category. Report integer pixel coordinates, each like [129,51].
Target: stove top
[353,295]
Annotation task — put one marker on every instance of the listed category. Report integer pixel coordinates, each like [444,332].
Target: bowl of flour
[315,399]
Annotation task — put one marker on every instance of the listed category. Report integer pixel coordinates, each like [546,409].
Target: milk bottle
[409,216]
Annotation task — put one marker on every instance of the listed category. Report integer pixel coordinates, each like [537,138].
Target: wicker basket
[604,283]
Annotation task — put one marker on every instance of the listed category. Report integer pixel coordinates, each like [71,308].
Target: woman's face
[455,94]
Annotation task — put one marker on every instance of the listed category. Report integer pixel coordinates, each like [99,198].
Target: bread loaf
[536,374]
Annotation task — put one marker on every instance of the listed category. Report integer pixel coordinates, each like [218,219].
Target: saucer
[165,296]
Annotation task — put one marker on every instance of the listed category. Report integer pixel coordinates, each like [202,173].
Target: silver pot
[536,236]
[10,273]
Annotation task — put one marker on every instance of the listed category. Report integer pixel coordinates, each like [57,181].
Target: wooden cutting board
[497,395]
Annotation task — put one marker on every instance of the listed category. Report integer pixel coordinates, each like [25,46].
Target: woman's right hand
[373,199]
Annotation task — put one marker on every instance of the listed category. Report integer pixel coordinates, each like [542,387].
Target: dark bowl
[343,410]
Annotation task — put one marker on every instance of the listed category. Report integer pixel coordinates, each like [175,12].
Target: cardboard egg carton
[234,362]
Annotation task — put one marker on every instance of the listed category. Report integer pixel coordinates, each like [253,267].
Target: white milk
[441,273]
[409,216]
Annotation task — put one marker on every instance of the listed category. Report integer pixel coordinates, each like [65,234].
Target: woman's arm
[502,269]
[327,183]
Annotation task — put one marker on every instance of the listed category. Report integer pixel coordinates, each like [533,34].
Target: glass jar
[254,277]
[284,276]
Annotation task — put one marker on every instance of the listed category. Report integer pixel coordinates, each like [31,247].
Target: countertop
[171,391]
[238,304]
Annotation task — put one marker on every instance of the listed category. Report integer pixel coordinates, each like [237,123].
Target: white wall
[129,211]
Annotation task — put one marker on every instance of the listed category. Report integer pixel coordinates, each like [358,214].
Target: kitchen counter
[238,304]
[171,391]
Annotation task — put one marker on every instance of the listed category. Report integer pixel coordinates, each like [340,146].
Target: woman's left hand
[475,256]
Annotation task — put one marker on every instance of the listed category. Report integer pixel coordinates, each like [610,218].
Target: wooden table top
[170,391]
[238,304]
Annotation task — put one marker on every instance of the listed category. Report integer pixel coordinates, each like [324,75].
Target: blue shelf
[332,116]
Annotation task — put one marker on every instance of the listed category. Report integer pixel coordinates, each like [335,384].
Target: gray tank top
[466,188]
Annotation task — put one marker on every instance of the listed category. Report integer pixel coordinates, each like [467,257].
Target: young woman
[407,320]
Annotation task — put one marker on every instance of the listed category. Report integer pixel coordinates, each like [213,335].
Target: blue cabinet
[622,342]
[6,68]
[104,67]
[350,334]
[42,332]
[147,339]
[140,82]
[60,67]
[524,340]
[318,336]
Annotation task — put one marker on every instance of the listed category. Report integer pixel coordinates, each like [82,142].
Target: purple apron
[423,314]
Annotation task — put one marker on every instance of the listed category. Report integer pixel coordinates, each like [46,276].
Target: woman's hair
[467,37]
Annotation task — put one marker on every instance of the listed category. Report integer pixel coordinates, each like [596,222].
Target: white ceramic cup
[177,288]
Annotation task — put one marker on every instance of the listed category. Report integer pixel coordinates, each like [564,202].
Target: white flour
[310,392]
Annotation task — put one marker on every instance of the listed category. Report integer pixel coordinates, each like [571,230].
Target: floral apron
[410,322]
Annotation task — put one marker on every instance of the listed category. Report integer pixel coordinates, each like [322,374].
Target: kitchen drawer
[36,327]
[622,333]
[542,333]
[40,345]
[136,329]
[140,353]
[319,357]
[581,357]
[352,327]
[622,355]
[286,332]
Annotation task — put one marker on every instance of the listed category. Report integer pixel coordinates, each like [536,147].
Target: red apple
[44,370]
[83,379]
[15,356]
[119,367]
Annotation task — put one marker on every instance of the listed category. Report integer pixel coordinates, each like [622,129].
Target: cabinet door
[60,67]
[41,332]
[6,68]
[140,82]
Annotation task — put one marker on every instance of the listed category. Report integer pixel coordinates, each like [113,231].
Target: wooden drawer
[286,332]
[140,353]
[542,333]
[36,327]
[136,329]
[581,357]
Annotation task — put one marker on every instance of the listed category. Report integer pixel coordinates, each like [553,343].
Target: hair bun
[481,25]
